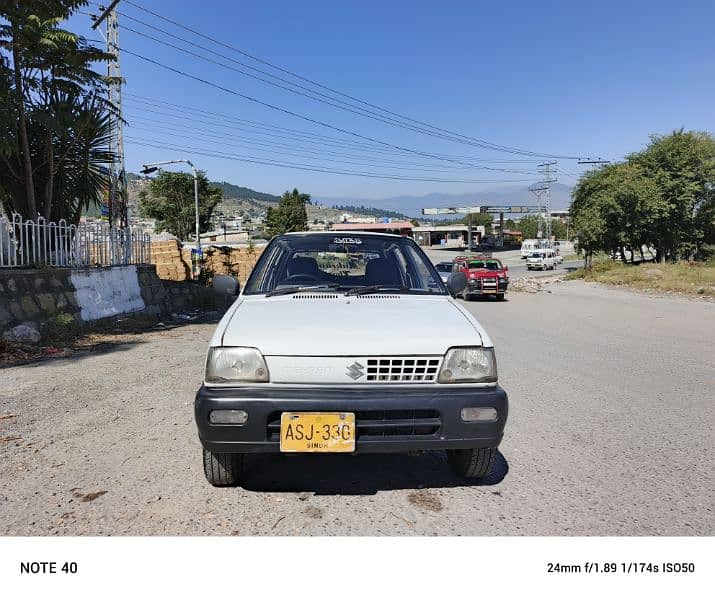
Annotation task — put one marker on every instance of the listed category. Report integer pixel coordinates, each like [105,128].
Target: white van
[543,258]
[528,246]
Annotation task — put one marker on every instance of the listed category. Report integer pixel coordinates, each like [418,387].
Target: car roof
[347,233]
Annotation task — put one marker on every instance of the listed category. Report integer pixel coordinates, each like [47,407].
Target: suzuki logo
[355,370]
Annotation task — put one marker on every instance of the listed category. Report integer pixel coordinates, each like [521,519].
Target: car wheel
[500,296]
[474,463]
[222,468]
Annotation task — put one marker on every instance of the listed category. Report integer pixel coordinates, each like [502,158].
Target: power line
[281,150]
[276,147]
[191,112]
[304,167]
[463,138]
[306,93]
[292,113]
[172,127]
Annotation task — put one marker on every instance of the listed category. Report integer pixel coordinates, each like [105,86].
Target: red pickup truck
[486,276]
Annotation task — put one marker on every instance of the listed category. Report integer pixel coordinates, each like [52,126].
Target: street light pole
[151,167]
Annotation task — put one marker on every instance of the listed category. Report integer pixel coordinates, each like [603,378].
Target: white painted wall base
[104,293]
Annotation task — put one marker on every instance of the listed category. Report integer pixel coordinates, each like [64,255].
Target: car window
[476,264]
[343,261]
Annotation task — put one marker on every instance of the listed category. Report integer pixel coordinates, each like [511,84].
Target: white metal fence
[43,243]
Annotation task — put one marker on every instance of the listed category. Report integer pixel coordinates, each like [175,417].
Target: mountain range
[413,205]
[408,205]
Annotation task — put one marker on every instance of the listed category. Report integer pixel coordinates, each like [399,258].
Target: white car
[542,259]
[348,343]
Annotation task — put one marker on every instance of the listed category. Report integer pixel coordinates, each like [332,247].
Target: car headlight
[469,365]
[225,365]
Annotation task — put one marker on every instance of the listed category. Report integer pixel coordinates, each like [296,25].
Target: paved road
[610,433]
[510,258]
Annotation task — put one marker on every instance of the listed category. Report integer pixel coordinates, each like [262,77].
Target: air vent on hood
[378,297]
[314,296]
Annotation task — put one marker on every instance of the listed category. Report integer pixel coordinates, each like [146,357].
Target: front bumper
[388,418]
[476,287]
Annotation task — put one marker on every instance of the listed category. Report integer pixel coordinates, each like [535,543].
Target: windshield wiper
[300,288]
[372,289]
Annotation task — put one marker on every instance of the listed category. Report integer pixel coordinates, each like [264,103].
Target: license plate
[317,432]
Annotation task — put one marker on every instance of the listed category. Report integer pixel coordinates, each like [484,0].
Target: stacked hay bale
[167,256]
[229,261]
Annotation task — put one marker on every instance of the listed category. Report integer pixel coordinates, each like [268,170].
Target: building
[348,218]
[448,236]
[397,227]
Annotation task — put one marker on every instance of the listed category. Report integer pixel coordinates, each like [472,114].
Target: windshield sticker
[347,240]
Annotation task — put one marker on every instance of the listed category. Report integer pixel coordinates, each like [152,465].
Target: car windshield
[344,262]
[444,267]
[535,255]
[493,265]
[476,264]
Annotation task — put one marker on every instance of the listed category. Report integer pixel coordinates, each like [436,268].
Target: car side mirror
[456,282]
[225,284]
[506,269]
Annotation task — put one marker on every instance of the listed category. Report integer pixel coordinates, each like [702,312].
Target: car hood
[327,324]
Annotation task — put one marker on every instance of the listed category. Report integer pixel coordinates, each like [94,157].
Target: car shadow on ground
[358,475]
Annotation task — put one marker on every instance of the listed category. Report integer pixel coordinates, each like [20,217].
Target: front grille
[483,283]
[374,424]
[399,370]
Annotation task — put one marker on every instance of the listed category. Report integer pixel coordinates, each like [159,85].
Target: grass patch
[683,277]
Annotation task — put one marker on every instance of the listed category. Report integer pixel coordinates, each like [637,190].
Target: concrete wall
[102,293]
[93,293]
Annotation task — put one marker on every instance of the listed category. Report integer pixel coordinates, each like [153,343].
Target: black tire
[474,463]
[500,296]
[221,468]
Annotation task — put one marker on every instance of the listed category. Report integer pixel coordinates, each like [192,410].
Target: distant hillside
[236,192]
[370,211]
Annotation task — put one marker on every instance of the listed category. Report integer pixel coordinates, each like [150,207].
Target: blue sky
[575,79]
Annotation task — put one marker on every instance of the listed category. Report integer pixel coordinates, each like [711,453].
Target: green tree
[170,200]
[625,208]
[682,166]
[484,219]
[289,215]
[529,226]
[558,229]
[52,111]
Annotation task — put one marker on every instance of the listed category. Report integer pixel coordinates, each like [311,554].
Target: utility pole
[542,191]
[118,175]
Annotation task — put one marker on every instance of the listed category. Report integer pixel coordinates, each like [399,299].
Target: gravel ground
[610,433]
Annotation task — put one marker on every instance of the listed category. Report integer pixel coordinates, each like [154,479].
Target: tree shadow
[358,475]
[115,334]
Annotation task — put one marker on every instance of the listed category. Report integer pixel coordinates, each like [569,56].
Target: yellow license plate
[317,432]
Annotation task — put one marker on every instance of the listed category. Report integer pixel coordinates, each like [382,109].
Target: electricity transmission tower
[117,201]
[542,190]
